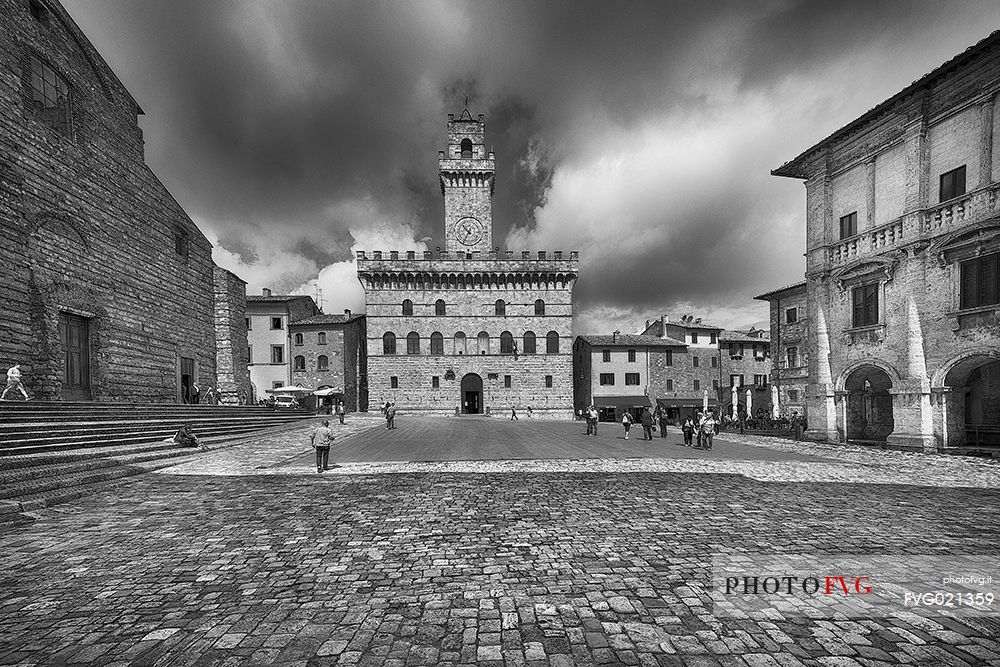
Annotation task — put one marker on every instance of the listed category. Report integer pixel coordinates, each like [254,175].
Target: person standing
[594,417]
[513,414]
[687,428]
[626,422]
[210,395]
[339,409]
[662,421]
[195,393]
[698,419]
[708,429]
[647,424]
[390,416]
[322,437]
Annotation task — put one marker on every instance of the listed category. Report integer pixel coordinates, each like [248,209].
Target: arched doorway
[869,404]
[472,394]
[974,400]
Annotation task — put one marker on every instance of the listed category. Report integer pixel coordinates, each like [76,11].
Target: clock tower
[467,180]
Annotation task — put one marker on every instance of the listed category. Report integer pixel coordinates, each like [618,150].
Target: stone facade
[269,342]
[108,292]
[469,329]
[745,363]
[232,372]
[789,335]
[330,351]
[904,334]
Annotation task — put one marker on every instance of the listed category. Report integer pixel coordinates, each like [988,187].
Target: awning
[622,402]
[694,402]
[329,391]
[290,391]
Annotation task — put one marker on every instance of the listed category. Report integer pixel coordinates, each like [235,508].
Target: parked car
[286,402]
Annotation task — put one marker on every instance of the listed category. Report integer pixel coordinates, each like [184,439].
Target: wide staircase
[51,452]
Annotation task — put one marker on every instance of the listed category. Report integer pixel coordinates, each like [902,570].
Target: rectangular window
[697,385]
[735,380]
[849,225]
[394,382]
[249,328]
[792,356]
[791,315]
[506,381]
[760,380]
[631,356]
[548,381]
[492,376]
[276,323]
[277,354]
[669,359]
[865,305]
[607,379]
[713,338]
[952,184]
[50,97]
[436,382]
[981,281]
[695,362]
[668,385]
[277,384]
[605,355]
[694,337]
[715,362]
[632,379]
[181,244]
[793,394]
[249,354]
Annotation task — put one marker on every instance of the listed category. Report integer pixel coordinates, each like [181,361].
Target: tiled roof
[328,319]
[691,324]
[745,337]
[277,298]
[787,288]
[631,340]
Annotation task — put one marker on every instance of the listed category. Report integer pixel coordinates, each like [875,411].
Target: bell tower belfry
[466,171]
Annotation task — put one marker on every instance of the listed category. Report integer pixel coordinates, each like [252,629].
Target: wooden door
[74,334]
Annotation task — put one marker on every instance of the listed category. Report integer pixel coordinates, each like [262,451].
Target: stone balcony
[925,224]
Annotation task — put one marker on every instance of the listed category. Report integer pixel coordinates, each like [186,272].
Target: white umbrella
[736,400]
[330,391]
[289,390]
[704,402]
[749,403]
[775,412]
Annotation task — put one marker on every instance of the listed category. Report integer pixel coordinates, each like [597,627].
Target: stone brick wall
[232,372]
[86,228]
[345,358]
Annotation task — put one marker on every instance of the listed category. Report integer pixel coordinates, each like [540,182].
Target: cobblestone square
[577,554]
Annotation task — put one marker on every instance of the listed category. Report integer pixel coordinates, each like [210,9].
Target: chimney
[647,324]
[266,292]
[663,326]
[347,312]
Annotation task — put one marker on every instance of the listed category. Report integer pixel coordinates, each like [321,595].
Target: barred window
[50,97]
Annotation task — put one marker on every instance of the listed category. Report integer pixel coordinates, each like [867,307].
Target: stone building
[622,372]
[745,364]
[470,329]
[268,340]
[232,372]
[330,352]
[108,287]
[789,339]
[902,251]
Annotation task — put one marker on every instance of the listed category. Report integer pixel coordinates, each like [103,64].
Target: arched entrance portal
[472,394]
[869,404]
[975,401]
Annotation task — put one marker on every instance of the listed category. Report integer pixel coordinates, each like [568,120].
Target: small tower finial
[466,101]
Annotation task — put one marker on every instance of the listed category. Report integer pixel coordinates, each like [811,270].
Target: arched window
[551,342]
[437,343]
[539,307]
[413,343]
[506,343]
[322,363]
[484,342]
[389,343]
[529,343]
[299,363]
[407,307]
[500,309]
[439,307]
[459,343]
[298,339]
[321,338]
[466,148]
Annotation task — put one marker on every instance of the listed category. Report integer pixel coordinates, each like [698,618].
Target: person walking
[390,416]
[14,383]
[626,422]
[647,424]
[708,429]
[592,416]
[662,421]
[513,414]
[195,393]
[210,395]
[530,413]
[322,437]
[339,409]
[585,415]
[699,417]
[687,428]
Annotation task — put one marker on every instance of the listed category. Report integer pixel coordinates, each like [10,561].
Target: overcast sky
[640,134]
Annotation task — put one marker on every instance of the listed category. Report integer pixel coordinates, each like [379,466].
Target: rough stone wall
[86,228]
[232,372]
[914,258]
[791,381]
[682,373]
[311,349]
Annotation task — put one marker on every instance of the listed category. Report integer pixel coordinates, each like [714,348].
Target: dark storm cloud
[641,133]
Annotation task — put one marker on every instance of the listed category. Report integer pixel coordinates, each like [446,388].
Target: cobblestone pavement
[554,562]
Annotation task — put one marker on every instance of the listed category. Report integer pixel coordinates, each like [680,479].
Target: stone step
[12,433]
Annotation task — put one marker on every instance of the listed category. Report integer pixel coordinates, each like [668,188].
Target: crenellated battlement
[475,255]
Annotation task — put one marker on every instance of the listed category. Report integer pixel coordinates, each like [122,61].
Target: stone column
[870,194]
[917,162]
[821,403]
[985,144]
[911,402]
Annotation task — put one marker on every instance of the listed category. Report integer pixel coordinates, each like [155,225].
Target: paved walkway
[251,560]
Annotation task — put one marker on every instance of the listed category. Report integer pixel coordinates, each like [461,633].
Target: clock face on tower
[468,231]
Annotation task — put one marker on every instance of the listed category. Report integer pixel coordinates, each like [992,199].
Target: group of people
[212,396]
[513,413]
[388,410]
[649,420]
[704,425]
